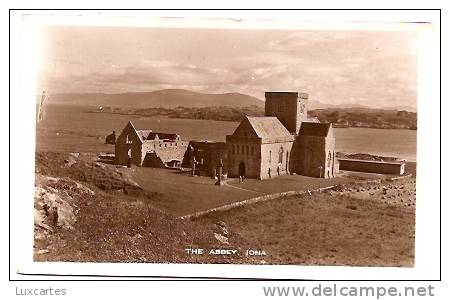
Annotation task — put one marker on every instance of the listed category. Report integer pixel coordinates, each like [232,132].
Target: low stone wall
[399,177]
[252,201]
[372,166]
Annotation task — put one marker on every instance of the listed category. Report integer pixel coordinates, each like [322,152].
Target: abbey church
[284,141]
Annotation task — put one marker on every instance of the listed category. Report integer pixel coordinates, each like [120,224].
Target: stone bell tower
[289,107]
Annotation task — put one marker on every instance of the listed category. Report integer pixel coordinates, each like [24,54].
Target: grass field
[339,228]
[288,183]
[184,194]
[356,223]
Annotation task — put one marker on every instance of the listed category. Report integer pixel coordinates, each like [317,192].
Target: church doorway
[241,169]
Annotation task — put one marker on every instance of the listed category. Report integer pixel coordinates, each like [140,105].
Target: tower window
[302,107]
[280,155]
[329,159]
[270,156]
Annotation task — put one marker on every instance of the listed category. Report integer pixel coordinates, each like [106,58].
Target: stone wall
[275,159]
[208,156]
[244,158]
[315,156]
[128,147]
[166,151]
[312,156]
[372,166]
[330,157]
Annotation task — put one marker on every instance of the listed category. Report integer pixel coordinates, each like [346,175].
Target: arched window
[287,160]
[232,148]
[237,149]
[247,150]
[242,149]
[280,155]
[270,156]
[329,159]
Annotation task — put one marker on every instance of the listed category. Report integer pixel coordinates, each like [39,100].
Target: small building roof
[268,127]
[314,129]
[144,133]
[161,136]
[148,134]
[313,120]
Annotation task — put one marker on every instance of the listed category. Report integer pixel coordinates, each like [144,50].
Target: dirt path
[227,183]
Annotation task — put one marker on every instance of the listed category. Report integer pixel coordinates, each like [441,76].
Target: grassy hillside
[111,217]
[106,215]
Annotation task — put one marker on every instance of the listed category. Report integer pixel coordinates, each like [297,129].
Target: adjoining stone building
[284,141]
[208,156]
[149,149]
[315,150]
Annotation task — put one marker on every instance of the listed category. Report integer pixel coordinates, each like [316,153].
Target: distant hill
[312,105]
[367,117]
[405,108]
[319,105]
[170,98]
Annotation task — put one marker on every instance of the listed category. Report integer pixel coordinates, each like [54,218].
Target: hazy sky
[368,68]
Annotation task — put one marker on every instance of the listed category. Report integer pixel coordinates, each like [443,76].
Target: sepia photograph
[226,146]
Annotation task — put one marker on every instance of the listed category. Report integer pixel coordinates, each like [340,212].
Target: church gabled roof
[314,129]
[148,134]
[144,133]
[130,126]
[268,127]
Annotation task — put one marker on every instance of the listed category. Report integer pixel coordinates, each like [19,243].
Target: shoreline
[372,157]
[143,115]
